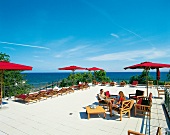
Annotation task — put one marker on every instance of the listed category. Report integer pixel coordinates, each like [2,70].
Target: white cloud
[76,48]
[58,56]
[39,60]
[10,48]
[114,35]
[132,55]
[59,42]
[36,56]
[76,51]
[24,45]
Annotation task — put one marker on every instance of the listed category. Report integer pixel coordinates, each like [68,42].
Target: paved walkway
[66,115]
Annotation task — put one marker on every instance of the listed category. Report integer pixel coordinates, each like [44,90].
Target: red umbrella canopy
[148,65]
[94,69]
[73,68]
[4,65]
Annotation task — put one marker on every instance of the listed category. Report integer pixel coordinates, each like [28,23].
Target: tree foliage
[168,76]
[75,78]
[141,78]
[13,80]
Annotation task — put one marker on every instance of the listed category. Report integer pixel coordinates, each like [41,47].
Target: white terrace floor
[66,115]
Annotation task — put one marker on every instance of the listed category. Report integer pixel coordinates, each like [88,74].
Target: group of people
[116,102]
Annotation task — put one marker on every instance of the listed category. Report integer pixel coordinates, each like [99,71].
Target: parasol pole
[157,77]
[147,80]
[1,88]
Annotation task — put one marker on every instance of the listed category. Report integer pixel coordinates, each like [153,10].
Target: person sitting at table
[118,101]
[103,97]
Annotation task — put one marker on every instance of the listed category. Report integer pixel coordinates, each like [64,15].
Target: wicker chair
[137,95]
[143,106]
[125,108]
[137,133]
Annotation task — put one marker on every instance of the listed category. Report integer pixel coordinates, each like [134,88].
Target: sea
[47,78]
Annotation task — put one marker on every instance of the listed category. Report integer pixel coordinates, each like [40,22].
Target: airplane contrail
[25,45]
[106,15]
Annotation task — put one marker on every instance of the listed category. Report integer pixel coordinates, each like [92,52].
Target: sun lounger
[41,95]
[51,93]
[70,90]
[27,97]
[112,83]
[134,84]
[63,91]
[122,84]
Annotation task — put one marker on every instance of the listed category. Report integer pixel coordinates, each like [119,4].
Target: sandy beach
[66,114]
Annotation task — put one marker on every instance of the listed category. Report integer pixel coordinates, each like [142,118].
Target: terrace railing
[167,101]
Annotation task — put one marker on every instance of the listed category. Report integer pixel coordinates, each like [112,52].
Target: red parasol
[147,66]
[73,68]
[94,69]
[5,65]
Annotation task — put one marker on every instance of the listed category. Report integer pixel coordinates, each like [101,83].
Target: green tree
[4,57]
[168,75]
[13,80]
[100,76]
[84,77]
[141,78]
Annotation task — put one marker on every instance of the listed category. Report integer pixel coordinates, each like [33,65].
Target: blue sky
[109,34]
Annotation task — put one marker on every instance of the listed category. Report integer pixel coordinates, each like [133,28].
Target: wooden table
[97,110]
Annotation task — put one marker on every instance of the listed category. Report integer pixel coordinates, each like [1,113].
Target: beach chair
[51,93]
[103,84]
[80,87]
[150,84]
[143,106]
[112,83]
[85,86]
[41,95]
[27,98]
[94,82]
[122,83]
[137,95]
[167,85]
[63,91]
[70,90]
[126,107]
[134,84]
